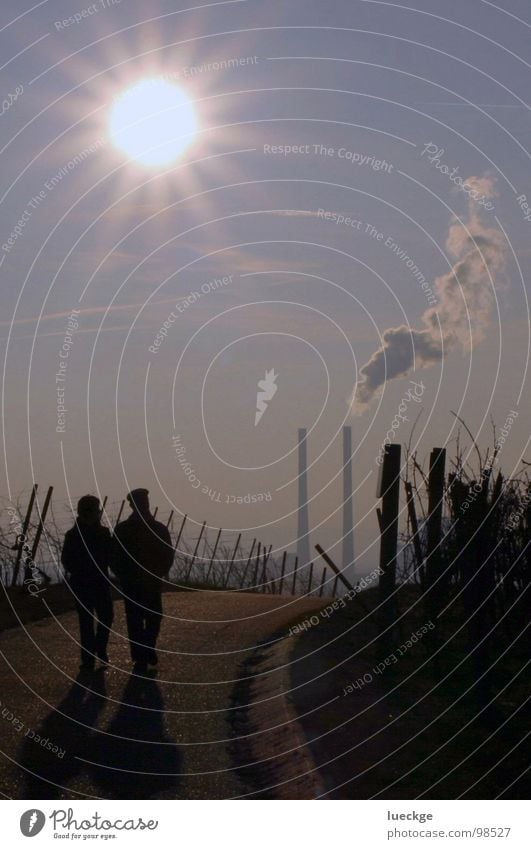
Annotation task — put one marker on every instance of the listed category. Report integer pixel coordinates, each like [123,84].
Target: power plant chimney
[303,530]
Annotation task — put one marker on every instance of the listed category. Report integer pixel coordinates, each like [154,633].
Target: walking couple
[140,555]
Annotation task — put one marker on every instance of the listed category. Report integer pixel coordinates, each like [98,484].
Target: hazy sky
[307,111]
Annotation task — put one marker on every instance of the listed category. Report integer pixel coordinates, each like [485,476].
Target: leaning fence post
[40,527]
[170,517]
[353,591]
[120,511]
[196,549]
[339,574]
[22,536]
[323,581]
[179,535]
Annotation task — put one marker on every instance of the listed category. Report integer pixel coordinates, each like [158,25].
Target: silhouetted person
[142,556]
[86,556]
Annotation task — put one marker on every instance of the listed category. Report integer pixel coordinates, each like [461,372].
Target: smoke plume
[466,297]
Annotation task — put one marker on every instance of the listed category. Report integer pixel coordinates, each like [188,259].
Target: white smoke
[466,298]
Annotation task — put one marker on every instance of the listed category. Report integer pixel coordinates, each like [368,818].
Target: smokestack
[303,530]
[348,520]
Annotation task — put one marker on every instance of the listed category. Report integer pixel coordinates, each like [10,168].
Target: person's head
[139,501]
[89,510]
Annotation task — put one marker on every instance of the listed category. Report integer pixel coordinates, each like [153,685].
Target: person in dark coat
[86,556]
[142,557]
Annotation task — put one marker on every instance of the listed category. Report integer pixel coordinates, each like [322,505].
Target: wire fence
[32,532]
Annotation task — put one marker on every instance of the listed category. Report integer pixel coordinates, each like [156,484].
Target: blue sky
[343,85]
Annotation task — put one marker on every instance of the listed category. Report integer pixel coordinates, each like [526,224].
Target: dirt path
[166,737]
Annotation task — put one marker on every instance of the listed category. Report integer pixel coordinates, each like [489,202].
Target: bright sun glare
[153,122]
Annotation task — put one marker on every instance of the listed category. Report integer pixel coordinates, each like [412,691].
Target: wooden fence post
[389,491]
[435,507]
[354,590]
[196,549]
[323,581]
[308,591]
[293,585]
[244,574]
[265,558]
[342,578]
[257,565]
[179,535]
[40,527]
[19,545]
[327,559]
[282,573]
[436,585]
[170,517]
[339,576]
[213,556]
[120,511]
[417,547]
[231,564]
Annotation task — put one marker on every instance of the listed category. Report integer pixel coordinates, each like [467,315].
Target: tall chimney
[303,530]
[348,520]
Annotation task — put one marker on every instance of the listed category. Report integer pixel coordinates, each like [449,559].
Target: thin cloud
[472,105]
[87,311]
[61,333]
[293,213]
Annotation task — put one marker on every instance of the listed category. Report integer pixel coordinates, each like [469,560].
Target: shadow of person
[54,753]
[136,758]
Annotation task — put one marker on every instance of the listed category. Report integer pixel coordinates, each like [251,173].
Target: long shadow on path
[136,758]
[70,728]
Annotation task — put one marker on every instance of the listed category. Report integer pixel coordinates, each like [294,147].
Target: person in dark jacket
[86,556]
[142,556]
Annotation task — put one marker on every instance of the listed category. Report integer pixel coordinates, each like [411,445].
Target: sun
[153,122]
